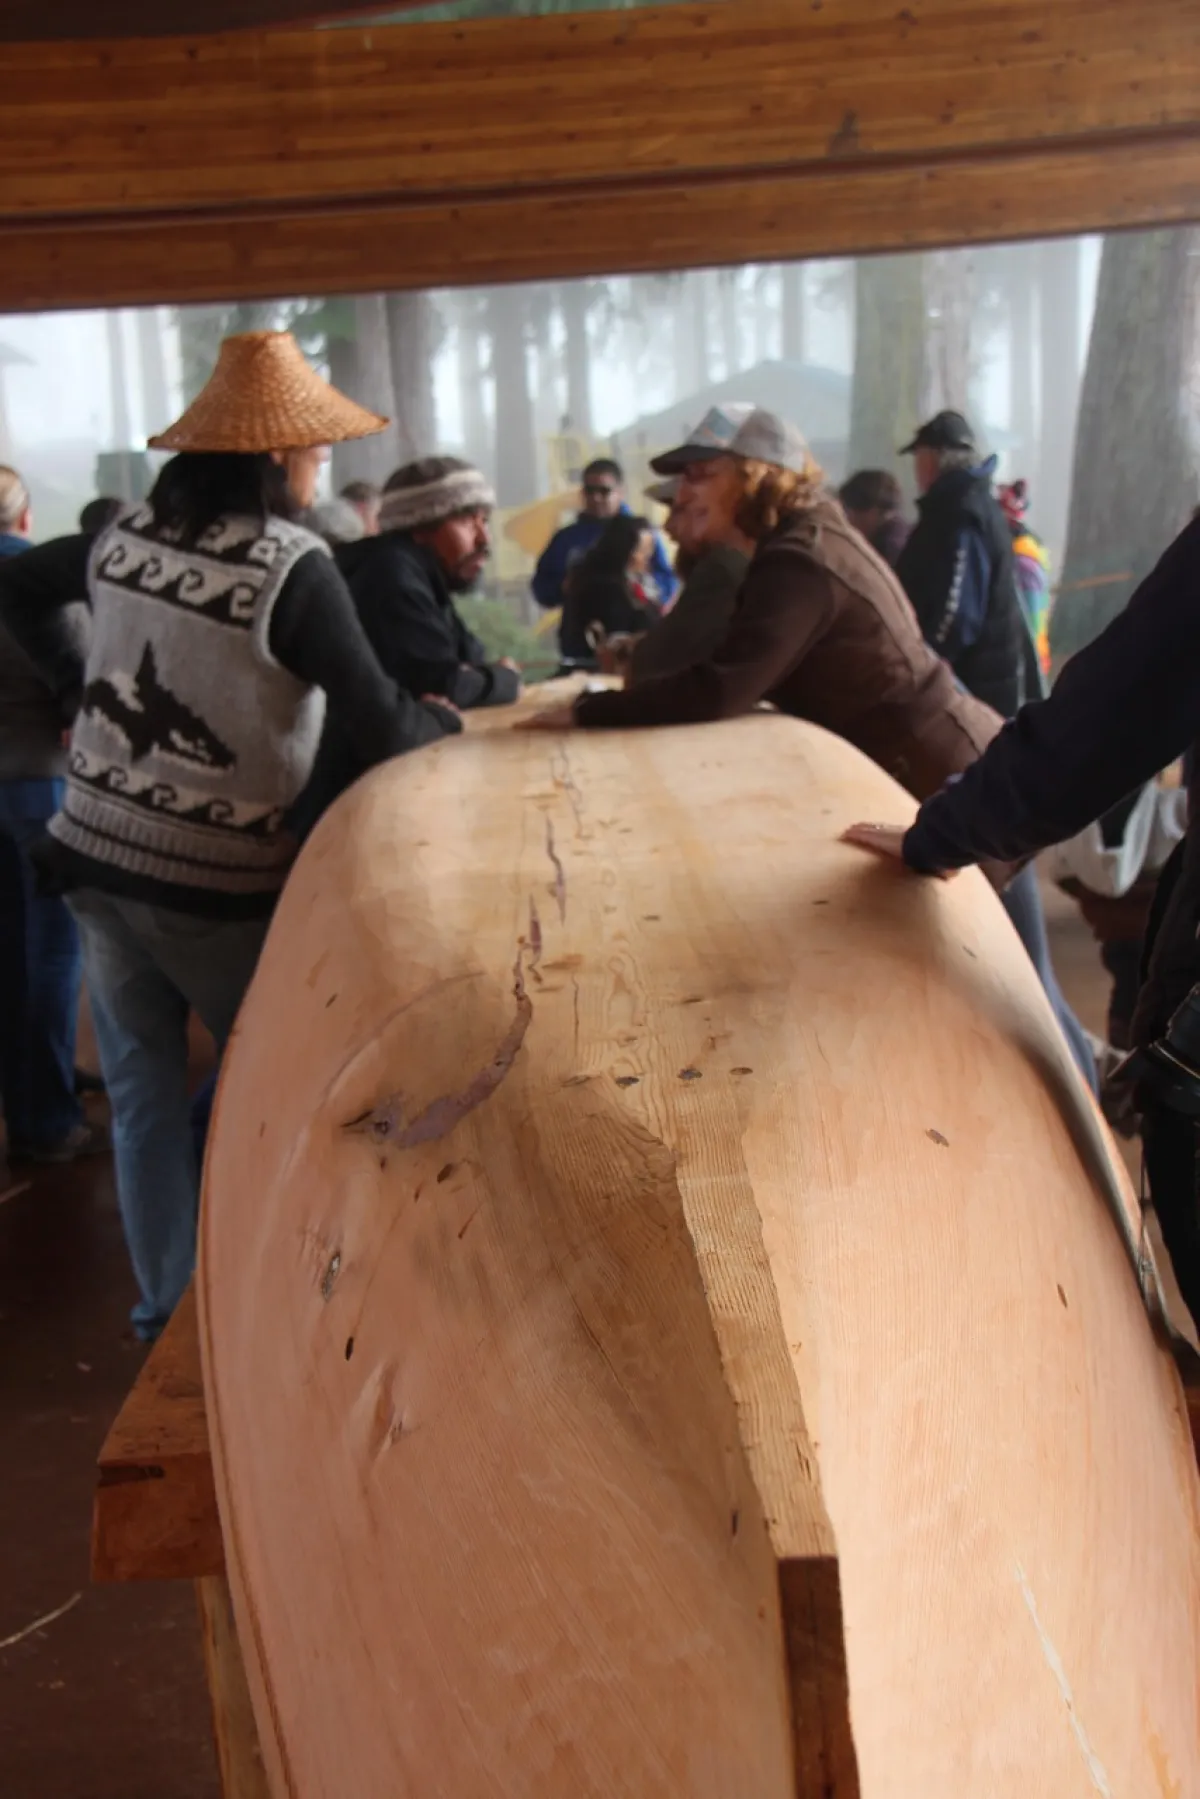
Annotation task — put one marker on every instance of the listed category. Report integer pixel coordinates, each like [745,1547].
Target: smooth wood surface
[501,149]
[155,1515]
[543,236]
[235,1734]
[661,1275]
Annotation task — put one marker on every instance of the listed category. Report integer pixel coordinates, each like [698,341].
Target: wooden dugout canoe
[666,1324]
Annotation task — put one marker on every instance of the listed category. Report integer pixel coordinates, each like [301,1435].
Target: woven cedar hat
[262,395]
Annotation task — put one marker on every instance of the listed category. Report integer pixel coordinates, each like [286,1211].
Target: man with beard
[433,542]
[434,539]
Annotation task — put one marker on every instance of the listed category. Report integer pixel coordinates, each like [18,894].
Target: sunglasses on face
[599,493]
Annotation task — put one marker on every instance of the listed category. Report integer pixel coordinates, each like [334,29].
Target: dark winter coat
[957,569]
[1123,708]
[411,623]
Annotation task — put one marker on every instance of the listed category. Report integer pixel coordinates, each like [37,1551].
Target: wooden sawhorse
[155,1518]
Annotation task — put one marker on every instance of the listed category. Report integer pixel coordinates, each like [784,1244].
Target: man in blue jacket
[603,498]
[957,567]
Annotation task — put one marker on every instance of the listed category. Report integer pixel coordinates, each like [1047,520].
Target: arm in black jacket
[1122,709]
[420,641]
[315,633]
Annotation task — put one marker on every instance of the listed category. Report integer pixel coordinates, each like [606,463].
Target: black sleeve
[505,685]
[1122,709]
[317,635]
[37,589]
[487,684]
[413,636]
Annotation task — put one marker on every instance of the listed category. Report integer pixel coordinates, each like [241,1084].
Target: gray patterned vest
[191,740]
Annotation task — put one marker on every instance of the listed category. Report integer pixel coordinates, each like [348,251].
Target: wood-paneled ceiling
[406,155]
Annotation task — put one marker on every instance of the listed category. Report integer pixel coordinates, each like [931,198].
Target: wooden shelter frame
[260,163]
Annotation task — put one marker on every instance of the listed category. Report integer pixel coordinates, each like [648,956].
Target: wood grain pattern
[239,1758]
[838,212]
[540,102]
[155,1514]
[504,149]
[677,1263]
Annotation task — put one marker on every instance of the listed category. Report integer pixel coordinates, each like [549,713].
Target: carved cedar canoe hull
[666,1324]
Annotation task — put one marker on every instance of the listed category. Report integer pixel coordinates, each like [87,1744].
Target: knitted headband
[408,508]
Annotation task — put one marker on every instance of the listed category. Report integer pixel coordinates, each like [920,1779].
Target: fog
[530,380]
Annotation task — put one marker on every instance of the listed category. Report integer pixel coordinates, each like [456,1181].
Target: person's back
[867,673]
[957,567]
[191,739]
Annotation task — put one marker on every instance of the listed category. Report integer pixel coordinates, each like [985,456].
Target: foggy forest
[1074,358]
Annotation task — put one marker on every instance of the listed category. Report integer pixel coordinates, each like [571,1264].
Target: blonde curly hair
[771,494]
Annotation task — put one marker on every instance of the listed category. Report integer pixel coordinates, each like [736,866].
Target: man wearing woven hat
[434,539]
[221,634]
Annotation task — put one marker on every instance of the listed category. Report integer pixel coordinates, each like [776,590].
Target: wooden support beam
[366,249]
[407,155]
[155,1515]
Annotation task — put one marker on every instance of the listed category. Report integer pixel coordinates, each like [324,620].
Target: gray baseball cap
[739,430]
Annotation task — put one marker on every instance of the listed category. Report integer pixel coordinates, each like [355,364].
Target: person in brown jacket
[823,630]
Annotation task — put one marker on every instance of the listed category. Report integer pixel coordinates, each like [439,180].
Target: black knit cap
[944,431]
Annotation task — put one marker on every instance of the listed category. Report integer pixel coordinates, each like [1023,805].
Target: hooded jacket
[957,569]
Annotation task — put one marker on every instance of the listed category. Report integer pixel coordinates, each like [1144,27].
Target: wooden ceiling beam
[421,154]
[343,115]
[732,219]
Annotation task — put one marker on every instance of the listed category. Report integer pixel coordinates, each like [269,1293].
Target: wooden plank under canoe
[666,1317]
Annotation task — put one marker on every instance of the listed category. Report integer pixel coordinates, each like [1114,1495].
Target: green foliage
[502,634]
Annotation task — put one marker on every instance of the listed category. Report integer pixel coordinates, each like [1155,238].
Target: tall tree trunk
[472,378]
[118,380]
[574,300]
[728,297]
[1134,482]
[889,359]
[765,280]
[365,370]
[412,328]
[950,303]
[1021,291]
[156,404]
[699,336]
[1061,373]
[793,335]
[515,456]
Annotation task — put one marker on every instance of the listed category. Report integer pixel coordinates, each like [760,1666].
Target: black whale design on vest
[156,720]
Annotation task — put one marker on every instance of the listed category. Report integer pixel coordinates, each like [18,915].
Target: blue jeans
[39,979]
[1023,903]
[146,968]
